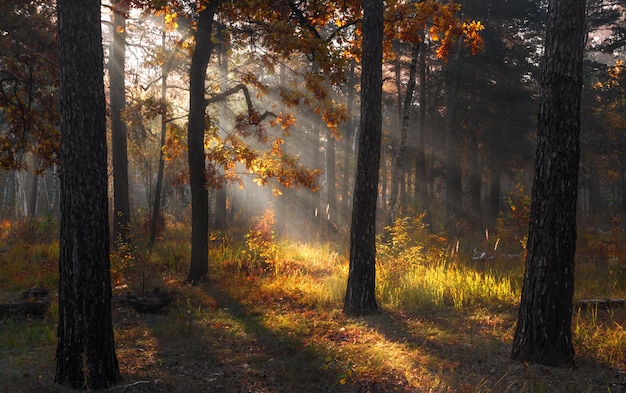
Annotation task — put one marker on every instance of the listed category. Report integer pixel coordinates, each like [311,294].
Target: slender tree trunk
[199,266]
[398,168]
[85,355]
[347,146]
[158,191]
[454,201]
[421,182]
[360,296]
[543,333]
[119,155]
[330,214]
[495,189]
[34,188]
[475,183]
[220,193]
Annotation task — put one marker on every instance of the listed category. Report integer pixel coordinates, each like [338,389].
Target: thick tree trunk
[86,351]
[543,333]
[199,266]
[119,154]
[360,296]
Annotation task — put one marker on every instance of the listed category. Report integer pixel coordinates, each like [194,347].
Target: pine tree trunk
[199,266]
[86,351]
[119,154]
[360,296]
[543,333]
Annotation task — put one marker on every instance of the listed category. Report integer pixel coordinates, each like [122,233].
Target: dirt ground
[217,339]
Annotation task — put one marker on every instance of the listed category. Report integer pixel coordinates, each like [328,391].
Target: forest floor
[236,334]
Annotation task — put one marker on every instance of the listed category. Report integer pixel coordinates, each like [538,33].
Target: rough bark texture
[543,334]
[86,351]
[119,154]
[195,140]
[360,294]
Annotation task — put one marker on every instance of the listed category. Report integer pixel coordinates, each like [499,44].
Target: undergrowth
[289,295]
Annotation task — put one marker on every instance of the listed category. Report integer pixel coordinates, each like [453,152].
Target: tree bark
[85,355]
[119,154]
[199,266]
[360,296]
[543,333]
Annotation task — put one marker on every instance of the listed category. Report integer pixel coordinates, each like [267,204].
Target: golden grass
[447,323]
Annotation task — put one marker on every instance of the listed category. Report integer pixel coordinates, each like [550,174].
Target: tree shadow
[468,352]
[226,346]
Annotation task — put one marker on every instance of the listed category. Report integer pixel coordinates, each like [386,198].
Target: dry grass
[447,324]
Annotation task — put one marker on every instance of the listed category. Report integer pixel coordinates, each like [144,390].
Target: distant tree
[85,353]
[543,333]
[360,296]
[28,84]
[119,151]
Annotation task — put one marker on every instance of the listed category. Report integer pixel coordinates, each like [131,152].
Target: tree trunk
[156,207]
[85,355]
[360,296]
[543,333]
[347,147]
[330,213]
[199,266]
[399,164]
[421,182]
[476,176]
[119,154]
[220,194]
[454,201]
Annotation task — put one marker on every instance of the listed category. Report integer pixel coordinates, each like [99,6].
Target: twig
[124,387]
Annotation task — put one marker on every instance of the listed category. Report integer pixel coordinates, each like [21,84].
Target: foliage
[29,119]
[261,241]
[415,273]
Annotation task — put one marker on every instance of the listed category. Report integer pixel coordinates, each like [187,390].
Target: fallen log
[28,309]
[144,303]
[601,303]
